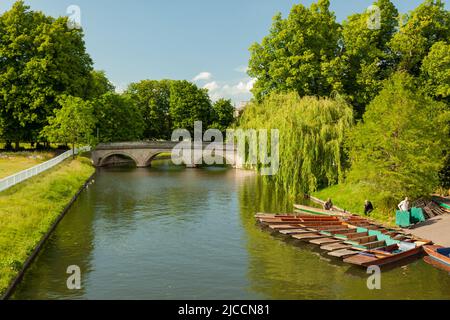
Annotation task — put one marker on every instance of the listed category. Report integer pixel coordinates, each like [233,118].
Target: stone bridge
[142,153]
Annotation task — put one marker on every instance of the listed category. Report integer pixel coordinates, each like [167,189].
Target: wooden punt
[312,210]
[323,241]
[294,231]
[307,236]
[344,253]
[386,255]
[293,216]
[279,227]
[434,263]
[335,246]
[438,256]
[288,220]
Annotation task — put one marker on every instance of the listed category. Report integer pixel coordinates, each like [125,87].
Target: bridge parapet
[143,152]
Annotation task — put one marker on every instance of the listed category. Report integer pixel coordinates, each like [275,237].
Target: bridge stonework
[142,153]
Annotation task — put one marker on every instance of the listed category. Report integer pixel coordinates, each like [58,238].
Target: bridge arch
[102,160]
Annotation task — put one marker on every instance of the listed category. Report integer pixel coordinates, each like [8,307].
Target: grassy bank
[351,197]
[29,209]
[11,162]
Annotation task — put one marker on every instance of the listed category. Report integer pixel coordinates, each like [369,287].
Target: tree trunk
[17,147]
[73,151]
[8,145]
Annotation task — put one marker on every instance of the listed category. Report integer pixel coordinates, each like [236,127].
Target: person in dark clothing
[328,205]
[368,207]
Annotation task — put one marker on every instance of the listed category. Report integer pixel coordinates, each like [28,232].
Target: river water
[172,233]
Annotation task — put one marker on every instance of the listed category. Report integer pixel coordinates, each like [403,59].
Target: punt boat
[438,256]
[389,254]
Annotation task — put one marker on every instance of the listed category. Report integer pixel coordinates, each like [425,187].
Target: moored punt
[294,231]
[387,255]
[312,210]
[438,256]
[307,236]
[335,246]
[344,253]
[294,220]
[323,241]
[354,239]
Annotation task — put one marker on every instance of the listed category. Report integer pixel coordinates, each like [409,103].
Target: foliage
[188,104]
[427,24]
[398,148]
[73,123]
[366,59]
[117,118]
[435,71]
[98,85]
[311,138]
[223,114]
[41,58]
[153,99]
[297,53]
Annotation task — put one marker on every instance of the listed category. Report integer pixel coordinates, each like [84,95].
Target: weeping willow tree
[311,134]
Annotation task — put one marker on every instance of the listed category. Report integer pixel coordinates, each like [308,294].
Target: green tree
[41,58]
[367,58]
[153,99]
[311,138]
[427,24]
[223,114]
[398,148]
[98,85]
[435,71]
[188,104]
[298,54]
[118,119]
[72,124]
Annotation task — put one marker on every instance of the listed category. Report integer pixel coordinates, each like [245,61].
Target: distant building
[239,108]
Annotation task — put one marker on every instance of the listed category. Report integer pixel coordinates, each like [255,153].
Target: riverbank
[351,197]
[28,210]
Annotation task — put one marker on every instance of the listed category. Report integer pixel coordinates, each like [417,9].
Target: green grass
[11,162]
[351,197]
[29,209]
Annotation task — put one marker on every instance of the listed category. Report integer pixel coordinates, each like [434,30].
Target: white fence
[10,181]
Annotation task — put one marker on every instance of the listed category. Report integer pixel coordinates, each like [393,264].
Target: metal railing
[19,177]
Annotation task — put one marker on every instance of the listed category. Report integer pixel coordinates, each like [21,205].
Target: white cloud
[241,69]
[211,86]
[240,91]
[203,76]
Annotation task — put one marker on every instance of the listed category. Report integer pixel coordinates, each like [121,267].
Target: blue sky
[179,39]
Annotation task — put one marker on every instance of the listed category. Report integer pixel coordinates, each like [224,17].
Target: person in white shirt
[404,205]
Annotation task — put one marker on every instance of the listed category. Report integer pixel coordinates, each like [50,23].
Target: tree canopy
[73,123]
[311,138]
[399,146]
[41,58]
[310,53]
[118,119]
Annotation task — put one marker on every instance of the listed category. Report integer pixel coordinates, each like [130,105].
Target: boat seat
[405,246]
[444,251]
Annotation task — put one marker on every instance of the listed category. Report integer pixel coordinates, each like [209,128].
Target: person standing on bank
[404,205]
[368,207]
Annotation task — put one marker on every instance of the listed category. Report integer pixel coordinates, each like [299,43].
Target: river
[172,233]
